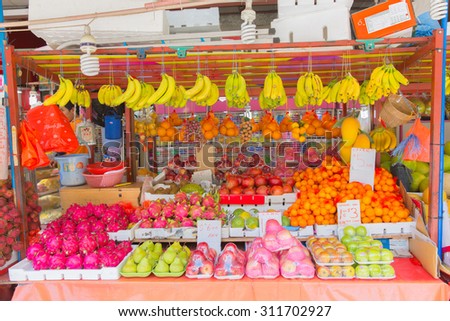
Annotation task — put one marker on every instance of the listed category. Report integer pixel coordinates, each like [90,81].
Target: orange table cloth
[412,283]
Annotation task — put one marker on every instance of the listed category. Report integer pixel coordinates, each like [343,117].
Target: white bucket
[71,169]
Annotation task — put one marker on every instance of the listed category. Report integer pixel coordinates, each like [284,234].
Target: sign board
[349,213]
[264,217]
[362,166]
[210,231]
[3,145]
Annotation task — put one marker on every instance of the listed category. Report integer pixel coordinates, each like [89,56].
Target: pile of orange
[311,125]
[166,131]
[228,127]
[210,126]
[175,119]
[286,124]
[269,127]
[323,187]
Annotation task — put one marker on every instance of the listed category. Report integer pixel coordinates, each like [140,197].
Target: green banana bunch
[309,90]
[63,95]
[236,90]
[384,140]
[273,93]
[385,80]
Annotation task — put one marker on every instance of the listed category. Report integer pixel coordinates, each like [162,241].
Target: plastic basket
[397,110]
[109,179]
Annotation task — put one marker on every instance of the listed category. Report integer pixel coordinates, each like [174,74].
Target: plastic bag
[32,156]
[416,145]
[53,129]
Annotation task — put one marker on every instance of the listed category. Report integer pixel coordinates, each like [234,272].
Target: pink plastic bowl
[109,179]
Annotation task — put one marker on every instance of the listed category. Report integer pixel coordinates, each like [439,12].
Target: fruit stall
[264,171]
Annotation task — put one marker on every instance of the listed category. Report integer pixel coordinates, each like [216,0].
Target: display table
[412,283]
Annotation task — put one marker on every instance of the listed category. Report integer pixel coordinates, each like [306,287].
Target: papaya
[350,130]
[362,141]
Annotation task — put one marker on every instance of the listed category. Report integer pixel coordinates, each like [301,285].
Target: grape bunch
[191,130]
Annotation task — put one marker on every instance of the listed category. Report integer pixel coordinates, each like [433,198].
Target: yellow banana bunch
[364,99]
[108,93]
[309,90]
[273,93]
[165,91]
[326,91]
[63,95]
[236,90]
[385,80]
[212,97]
[81,97]
[447,82]
[139,99]
[178,99]
[384,140]
[128,93]
[345,90]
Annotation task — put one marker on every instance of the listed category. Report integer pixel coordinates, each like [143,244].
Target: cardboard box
[110,195]
[383,19]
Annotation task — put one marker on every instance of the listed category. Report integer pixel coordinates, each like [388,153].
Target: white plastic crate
[390,228]
[123,235]
[143,26]
[326,230]
[306,231]
[252,233]
[23,271]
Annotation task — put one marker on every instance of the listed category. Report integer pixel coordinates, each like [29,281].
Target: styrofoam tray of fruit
[168,274]
[336,278]
[326,230]
[373,262]
[297,276]
[199,276]
[24,271]
[333,263]
[375,272]
[124,235]
[376,278]
[229,277]
[267,277]
[135,275]
[390,228]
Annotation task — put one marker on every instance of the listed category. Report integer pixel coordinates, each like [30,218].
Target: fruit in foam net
[387,271]
[374,270]
[210,126]
[228,127]
[166,131]
[386,255]
[362,271]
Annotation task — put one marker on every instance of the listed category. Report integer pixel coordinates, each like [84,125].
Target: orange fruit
[310,130]
[165,124]
[320,131]
[161,131]
[223,130]
[276,135]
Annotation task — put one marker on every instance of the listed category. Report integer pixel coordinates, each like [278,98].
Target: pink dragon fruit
[69,227]
[110,216]
[33,250]
[57,261]
[41,261]
[196,212]
[53,244]
[181,211]
[208,201]
[209,214]
[160,223]
[125,245]
[108,259]
[74,262]
[113,227]
[187,223]
[180,197]
[146,224]
[69,244]
[87,244]
[145,213]
[80,214]
[18,246]
[134,218]
[110,246]
[91,261]
[84,226]
[169,210]
[55,226]
[99,210]
[98,226]
[102,238]
[195,198]
[172,223]
[123,223]
[154,209]
[46,234]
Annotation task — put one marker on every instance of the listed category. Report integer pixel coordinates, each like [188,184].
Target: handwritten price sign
[362,166]
[210,231]
[349,213]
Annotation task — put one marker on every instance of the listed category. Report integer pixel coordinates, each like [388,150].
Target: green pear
[158,248]
[161,267]
[176,246]
[169,255]
[153,255]
[152,261]
[144,266]
[187,250]
[129,266]
[176,266]
[147,245]
[138,255]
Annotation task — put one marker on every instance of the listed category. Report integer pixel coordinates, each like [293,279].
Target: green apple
[410,164]
[361,255]
[237,222]
[447,148]
[245,215]
[238,211]
[387,271]
[285,221]
[362,271]
[252,222]
[386,255]
[352,246]
[363,244]
[375,270]
[361,230]
[346,239]
[376,244]
[349,230]
[373,255]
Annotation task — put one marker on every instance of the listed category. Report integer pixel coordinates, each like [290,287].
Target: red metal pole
[14,110]
[436,119]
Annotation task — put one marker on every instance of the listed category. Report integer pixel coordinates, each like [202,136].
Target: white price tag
[349,213]
[362,166]
[210,231]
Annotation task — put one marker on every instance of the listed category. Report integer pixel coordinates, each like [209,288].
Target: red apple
[192,269]
[232,182]
[207,268]
[249,191]
[262,190]
[255,171]
[260,180]
[224,191]
[276,190]
[290,181]
[247,182]
[275,180]
[287,188]
[237,190]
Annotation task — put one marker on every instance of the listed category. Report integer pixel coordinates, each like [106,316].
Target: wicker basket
[397,110]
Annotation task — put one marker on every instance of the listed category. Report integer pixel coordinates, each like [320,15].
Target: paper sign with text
[210,231]
[349,213]
[362,166]
[264,217]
